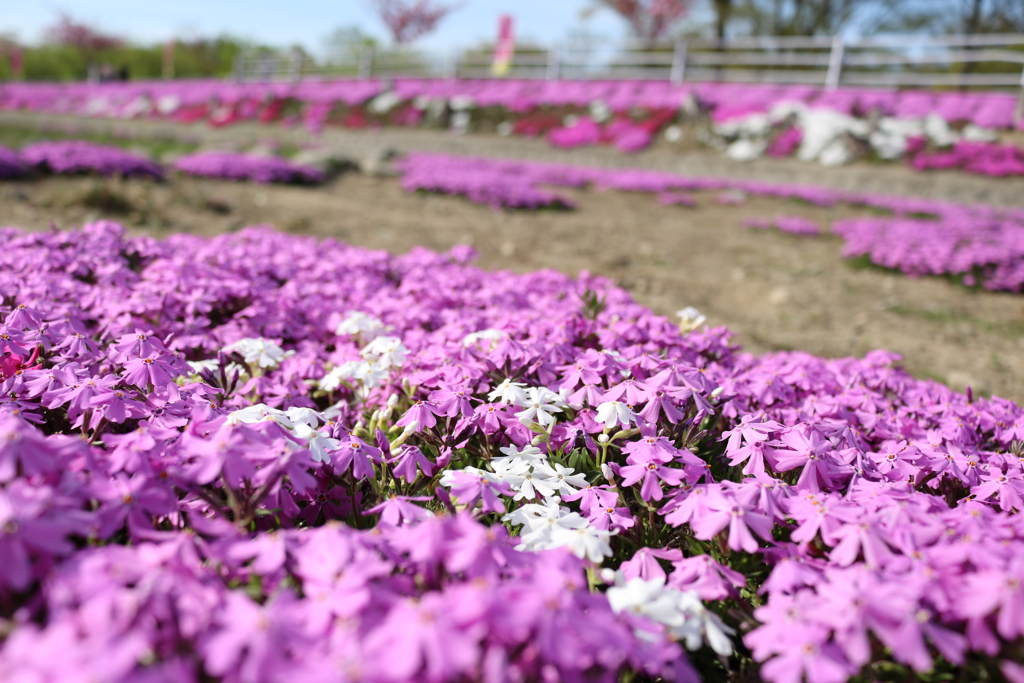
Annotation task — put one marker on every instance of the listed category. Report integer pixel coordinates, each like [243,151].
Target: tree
[962,16]
[69,33]
[801,17]
[649,20]
[347,43]
[408,20]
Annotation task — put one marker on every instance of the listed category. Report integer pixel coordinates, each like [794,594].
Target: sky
[306,22]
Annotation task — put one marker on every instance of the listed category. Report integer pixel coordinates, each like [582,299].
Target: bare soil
[775,291]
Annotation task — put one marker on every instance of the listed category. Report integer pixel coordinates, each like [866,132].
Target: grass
[17,138]
[1011,329]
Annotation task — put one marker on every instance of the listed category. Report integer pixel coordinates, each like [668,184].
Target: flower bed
[235,166]
[975,157]
[77,156]
[745,120]
[198,434]
[983,245]
[11,165]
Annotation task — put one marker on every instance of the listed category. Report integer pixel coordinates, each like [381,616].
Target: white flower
[234,368]
[585,542]
[370,375]
[646,598]
[317,442]
[361,325]
[535,482]
[531,512]
[701,624]
[306,416]
[332,380]
[513,472]
[508,392]
[335,411]
[613,413]
[263,352]
[681,611]
[386,352]
[491,337]
[259,412]
[528,454]
[199,366]
[540,403]
[561,478]
[540,522]
[690,319]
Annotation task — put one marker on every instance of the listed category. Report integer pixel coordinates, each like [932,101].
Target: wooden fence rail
[990,61]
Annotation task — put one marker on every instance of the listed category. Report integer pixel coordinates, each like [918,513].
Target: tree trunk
[971,26]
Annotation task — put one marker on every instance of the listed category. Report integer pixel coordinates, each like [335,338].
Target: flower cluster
[747,120]
[839,133]
[604,126]
[985,158]
[237,166]
[982,244]
[78,156]
[196,436]
[11,165]
[980,250]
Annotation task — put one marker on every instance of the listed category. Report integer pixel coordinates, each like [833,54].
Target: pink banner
[505,48]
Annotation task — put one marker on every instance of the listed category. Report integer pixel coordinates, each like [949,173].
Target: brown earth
[775,291]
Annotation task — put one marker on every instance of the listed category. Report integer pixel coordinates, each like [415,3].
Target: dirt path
[688,159]
[774,291]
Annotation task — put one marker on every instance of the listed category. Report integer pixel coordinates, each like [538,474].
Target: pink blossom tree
[650,20]
[408,20]
[89,40]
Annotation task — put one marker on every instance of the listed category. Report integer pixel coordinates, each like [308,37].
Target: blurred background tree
[408,20]
[69,47]
[650,21]
[347,43]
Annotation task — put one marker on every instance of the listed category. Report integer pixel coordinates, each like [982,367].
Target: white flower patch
[508,393]
[484,339]
[262,352]
[302,423]
[386,352]
[199,366]
[681,611]
[690,319]
[539,405]
[614,413]
[550,526]
[362,325]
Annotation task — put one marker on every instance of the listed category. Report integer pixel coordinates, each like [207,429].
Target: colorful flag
[505,48]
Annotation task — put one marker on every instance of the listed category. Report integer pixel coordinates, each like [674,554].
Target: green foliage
[211,58]
[156,148]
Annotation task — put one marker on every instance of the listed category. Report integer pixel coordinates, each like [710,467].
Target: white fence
[992,61]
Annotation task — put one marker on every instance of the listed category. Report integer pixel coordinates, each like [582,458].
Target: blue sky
[306,22]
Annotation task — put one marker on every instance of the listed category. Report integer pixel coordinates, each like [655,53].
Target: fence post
[1018,114]
[238,68]
[366,63]
[554,63]
[679,63]
[295,67]
[835,64]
